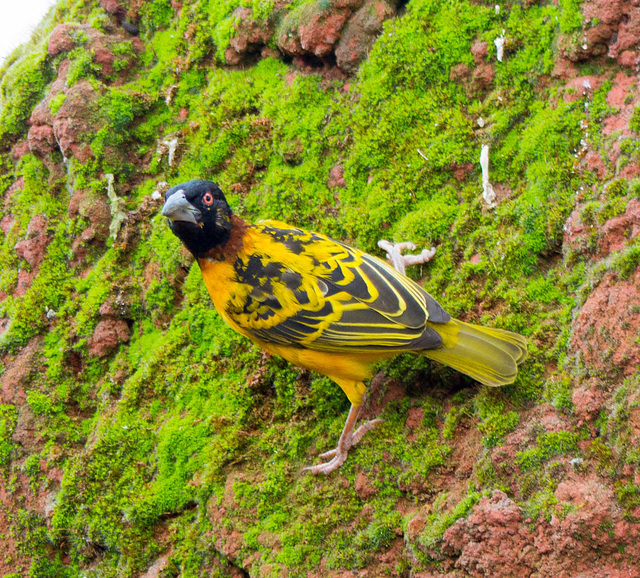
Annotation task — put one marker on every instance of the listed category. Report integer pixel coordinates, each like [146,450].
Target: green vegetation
[8,416]
[548,445]
[21,87]
[181,439]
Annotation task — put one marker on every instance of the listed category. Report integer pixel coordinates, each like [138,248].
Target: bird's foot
[354,438]
[339,454]
[400,261]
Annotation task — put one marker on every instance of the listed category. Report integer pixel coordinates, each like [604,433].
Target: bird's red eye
[208,198]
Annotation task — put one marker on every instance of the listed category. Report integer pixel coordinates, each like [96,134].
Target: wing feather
[306,290]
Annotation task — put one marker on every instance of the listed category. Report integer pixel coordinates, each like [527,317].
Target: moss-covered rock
[140,434]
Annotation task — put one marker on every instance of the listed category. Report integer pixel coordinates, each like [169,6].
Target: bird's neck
[228,250]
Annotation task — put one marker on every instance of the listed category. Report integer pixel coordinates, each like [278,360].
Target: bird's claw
[367,426]
[339,455]
[330,466]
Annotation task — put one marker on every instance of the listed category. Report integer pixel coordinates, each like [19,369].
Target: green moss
[95,289]
[193,553]
[118,111]
[110,464]
[81,65]
[37,197]
[495,421]
[603,455]
[543,505]
[156,14]
[634,121]
[628,494]
[548,445]
[626,262]
[617,188]
[8,419]
[41,403]
[56,102]
[544,290]
[21,87]
[48,291]
[599,109]
[560,393]
[440,521]
[571,16]
[186,435]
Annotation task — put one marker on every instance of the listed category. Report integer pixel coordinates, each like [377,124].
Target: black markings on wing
[414,296]
[364,303]
[398,297]
[293,239]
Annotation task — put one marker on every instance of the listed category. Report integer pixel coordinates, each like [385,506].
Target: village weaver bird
[325,306]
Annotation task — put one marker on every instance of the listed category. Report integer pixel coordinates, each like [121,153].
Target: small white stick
[400,261]
[488,194]
[499,42]
[117,207]
[172,145]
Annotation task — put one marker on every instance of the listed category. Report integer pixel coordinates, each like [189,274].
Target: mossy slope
[137,429]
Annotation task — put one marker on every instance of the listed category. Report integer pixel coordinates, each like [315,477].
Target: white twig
[55,135]
[117,207]
[488,194]
[172,145]
[169,146]
[400,261]
[499,42]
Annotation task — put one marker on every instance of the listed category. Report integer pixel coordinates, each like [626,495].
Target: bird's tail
[490,356]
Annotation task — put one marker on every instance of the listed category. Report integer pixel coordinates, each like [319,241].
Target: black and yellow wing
[302,289]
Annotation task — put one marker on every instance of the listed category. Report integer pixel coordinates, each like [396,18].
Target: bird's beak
[177,208]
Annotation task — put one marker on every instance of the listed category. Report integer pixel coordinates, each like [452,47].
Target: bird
[326,306]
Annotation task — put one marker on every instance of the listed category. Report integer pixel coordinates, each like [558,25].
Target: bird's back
[292,287]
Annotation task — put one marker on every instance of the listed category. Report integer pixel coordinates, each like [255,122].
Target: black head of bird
[198,215]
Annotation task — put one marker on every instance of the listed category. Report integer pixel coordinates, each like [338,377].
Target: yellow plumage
[491,356]
[335,310]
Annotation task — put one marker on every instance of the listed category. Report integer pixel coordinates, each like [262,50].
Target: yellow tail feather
[491,356]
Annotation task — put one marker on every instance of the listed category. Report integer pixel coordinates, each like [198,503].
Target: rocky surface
[610,29]
[139,436]
[336,32]
[605,332]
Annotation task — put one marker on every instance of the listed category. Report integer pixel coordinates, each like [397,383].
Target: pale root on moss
[400,261]
[499,42]
[117,204]
[167,146]
[488,194]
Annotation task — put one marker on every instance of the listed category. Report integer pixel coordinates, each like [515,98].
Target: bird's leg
[400,261]
[348,438]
